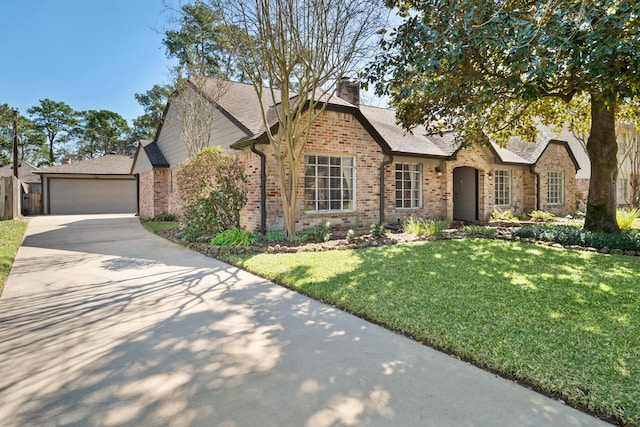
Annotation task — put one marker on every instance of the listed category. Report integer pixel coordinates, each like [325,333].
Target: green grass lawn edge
[157,226]
[539,291]
[11,234]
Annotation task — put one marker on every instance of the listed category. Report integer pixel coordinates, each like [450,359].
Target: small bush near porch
[563,321]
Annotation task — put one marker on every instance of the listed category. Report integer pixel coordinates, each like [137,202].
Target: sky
[90,54]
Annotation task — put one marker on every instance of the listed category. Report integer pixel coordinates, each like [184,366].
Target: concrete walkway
[104,324]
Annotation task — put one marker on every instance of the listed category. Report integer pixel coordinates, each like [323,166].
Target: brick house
[353,152]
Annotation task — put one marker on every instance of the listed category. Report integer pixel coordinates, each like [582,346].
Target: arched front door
[465,194]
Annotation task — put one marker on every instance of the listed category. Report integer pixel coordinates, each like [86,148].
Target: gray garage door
[87,196]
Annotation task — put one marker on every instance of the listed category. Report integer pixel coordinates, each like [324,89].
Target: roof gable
[154,154]
[411,143]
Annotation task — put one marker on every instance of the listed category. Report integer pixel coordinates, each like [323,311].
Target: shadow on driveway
[104,324]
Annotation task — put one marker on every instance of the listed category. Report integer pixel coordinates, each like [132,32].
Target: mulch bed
[503,232]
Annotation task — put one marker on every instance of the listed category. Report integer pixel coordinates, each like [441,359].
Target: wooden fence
[9,198]
[31,203]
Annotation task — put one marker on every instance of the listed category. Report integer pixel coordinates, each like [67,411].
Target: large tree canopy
[200,43]
[100,132]
[6,133]
[53,118]
[498,68]
[32,143]
[153,102]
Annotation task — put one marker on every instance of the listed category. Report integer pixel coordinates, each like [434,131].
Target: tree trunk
[290,211]
[51,158]
[602,149]
[288,184]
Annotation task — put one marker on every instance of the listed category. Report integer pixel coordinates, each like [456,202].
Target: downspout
[48,197]
[382,166]
[138,194]
[263,188]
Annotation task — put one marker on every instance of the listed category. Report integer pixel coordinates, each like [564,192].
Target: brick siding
[556,158]
[341,134]
[333,133]
[146,194]
[582,188]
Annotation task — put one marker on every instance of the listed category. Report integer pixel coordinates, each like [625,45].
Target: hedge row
[568,235]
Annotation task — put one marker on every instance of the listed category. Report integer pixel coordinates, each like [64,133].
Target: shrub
[425,227]
[479,230]
[412,225]
[378,230]
[435,227]
[542,216]
[234,237]
[569,235]
[213,190]
[274,235]
[626,216]
[351,234]
[500,215]
[165,217]
[320,233]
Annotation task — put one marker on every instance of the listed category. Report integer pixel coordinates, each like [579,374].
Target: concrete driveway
[105,324]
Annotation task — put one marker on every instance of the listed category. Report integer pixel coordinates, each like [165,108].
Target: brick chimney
[66,160]
[349,90]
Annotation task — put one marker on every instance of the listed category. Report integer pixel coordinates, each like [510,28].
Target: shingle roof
[153,153]
[25,172]
[400,141]
[109,164]
[419,142]
[529,151]
[239,102]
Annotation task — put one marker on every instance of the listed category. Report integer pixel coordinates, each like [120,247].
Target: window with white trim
[502,180]
[328,183]
[408,185]
[555,187]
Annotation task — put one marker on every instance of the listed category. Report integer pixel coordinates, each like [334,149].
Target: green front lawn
[563,320]
[156,226]
[11,233]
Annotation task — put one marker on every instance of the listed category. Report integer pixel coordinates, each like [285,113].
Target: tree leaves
[495,69]
[479,62]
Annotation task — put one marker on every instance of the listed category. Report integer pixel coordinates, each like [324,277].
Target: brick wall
[475,157]
[433,191]
[146,195]
[250,214]
[154,192]
[582,187]
[523,190]
[174,205]
[530,191]
[556,158]
[333,133]
[336,133]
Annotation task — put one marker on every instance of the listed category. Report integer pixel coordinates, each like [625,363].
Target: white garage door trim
[89,195]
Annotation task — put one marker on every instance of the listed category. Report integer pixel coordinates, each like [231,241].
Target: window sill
[350,211]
